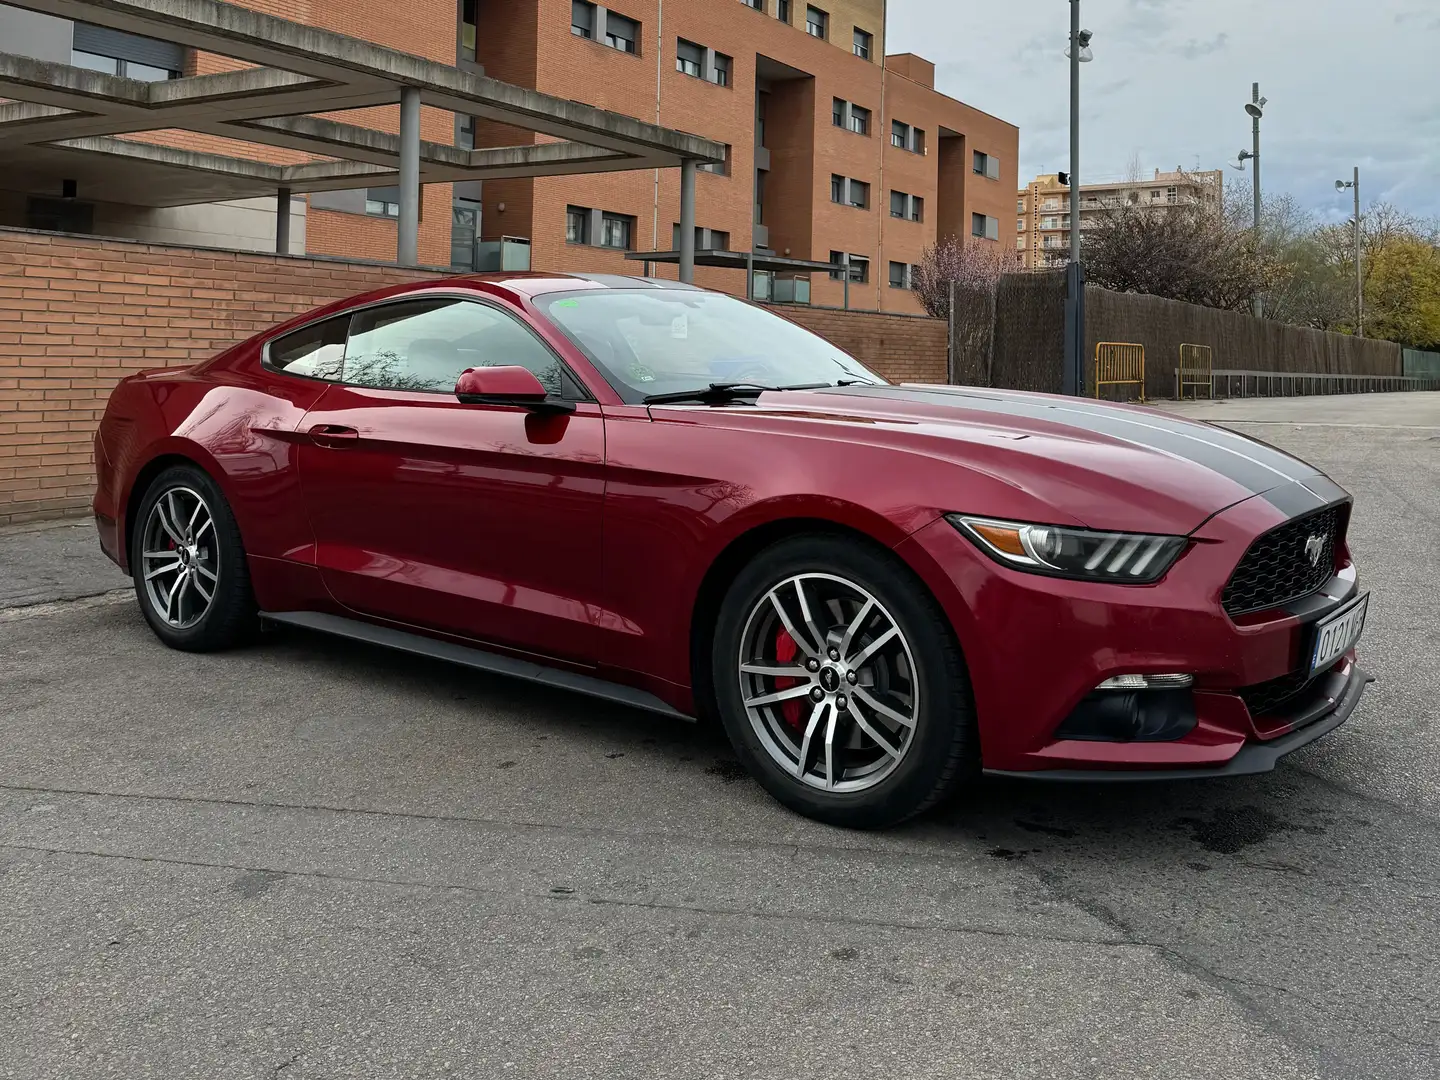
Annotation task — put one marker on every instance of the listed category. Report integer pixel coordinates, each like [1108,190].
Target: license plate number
[1336,634]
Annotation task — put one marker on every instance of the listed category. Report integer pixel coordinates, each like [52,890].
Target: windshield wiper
[719,393]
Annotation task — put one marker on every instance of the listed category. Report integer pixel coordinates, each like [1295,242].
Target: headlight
[1126,558]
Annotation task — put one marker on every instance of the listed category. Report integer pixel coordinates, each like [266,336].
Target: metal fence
[1234,382]
[1197,362]
[1120,363]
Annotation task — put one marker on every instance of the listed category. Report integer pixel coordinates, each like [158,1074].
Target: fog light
[1147,682]
[1149,715]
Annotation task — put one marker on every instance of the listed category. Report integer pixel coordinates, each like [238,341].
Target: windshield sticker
[641,373]
[680,327]
[567,303]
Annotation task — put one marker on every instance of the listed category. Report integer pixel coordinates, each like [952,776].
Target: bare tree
[1185,251]
[974,267]
[971,273]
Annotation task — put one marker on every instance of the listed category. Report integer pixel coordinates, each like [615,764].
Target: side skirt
[494,663]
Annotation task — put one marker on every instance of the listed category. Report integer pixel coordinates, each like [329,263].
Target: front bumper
[1036,647]
[1254,757]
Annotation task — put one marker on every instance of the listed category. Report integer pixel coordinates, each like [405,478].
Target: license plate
[1336,634]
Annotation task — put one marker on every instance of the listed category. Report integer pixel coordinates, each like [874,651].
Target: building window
[817,23]
[849,192]
[906,137]
[127,69]
[721,75]
[906,207]
[986,165]
[855,267]
[859,120]
[577,225]
[1171,195]
[758,5]
[1019,206]
[863,43]
[689,58]
[984,227]
[468,21]
[899,275]
[616,231]
[621,33]
[782,10]
[837,113]
[1020,224]
[582,19]
[383,202]
[465,132]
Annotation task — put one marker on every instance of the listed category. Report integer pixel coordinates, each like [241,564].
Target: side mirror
[516,386]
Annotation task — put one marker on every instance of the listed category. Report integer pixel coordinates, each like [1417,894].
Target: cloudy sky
[1350,82]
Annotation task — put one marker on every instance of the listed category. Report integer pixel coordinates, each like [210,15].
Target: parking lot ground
[314,859]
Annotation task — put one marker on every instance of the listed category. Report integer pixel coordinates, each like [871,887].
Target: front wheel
[840,683]
[186,557]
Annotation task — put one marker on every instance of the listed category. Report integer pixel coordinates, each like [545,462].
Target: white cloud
[1349,84]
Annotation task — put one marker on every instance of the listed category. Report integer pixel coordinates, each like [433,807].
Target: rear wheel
[189,565]
[840,684]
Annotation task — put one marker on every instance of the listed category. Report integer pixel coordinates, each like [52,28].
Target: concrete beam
[275,42]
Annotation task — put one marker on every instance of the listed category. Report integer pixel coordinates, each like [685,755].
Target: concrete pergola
[70,120]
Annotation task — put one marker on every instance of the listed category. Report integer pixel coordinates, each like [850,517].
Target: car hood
[1104,465]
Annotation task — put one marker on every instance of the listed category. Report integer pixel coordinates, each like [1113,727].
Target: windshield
[661,341]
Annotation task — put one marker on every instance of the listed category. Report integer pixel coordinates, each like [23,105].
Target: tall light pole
[1079,53]
[1341,185]
[1255,107]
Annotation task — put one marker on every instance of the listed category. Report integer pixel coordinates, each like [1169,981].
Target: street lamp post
[1255,107]
[1341,185]
[1079,53]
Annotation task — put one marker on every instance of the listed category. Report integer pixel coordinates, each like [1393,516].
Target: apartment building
[837,153]
[1042,210]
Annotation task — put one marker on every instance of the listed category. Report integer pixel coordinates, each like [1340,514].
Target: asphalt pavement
[312,859]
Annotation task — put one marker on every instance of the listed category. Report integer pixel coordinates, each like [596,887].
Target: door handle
[333,436]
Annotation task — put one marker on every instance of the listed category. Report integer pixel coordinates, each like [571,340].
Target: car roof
[535,283]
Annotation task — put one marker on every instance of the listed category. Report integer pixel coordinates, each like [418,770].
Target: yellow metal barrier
[1120,363]
[1197,362]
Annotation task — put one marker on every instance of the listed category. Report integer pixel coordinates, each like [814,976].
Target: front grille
[1277,568]
[1266,698]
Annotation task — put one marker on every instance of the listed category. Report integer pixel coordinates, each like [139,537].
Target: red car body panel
[585,538]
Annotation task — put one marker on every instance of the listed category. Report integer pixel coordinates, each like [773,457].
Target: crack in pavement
[601,901]
[792,850]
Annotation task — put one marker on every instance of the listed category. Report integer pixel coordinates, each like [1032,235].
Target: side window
[317,350]
[426,344]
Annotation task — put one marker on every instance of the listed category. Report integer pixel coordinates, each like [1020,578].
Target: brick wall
[77,314]
[902,348]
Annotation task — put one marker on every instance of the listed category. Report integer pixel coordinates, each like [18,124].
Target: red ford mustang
[673,499]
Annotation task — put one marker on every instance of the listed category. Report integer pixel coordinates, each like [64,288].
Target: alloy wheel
[180,557]
[828,682]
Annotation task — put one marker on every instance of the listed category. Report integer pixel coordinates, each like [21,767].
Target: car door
[478,520]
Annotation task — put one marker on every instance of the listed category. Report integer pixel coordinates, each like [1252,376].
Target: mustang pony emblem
[1314,548]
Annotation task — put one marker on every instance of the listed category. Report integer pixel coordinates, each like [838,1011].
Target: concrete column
[408,246]
[687,220]
[282,221]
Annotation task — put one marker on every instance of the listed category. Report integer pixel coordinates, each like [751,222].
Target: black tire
[943,751]
[231,617]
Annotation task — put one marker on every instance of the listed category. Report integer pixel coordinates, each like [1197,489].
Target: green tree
[1402,292]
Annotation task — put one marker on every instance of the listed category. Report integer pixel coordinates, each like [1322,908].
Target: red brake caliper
[785,650]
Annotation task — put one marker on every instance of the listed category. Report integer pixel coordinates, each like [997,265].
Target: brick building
[838,153]
[1042,223]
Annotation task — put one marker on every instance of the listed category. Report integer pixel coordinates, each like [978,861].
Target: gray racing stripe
[1257,470]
